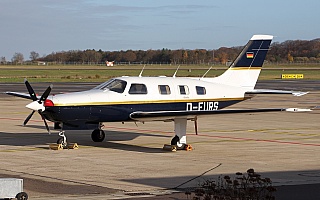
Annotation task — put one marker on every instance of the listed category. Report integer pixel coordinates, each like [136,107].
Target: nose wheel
[98,135]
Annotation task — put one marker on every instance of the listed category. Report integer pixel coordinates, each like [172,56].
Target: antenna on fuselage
[140,75]
[174,75]
[206,72]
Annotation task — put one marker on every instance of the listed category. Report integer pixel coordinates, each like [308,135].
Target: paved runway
[282,146]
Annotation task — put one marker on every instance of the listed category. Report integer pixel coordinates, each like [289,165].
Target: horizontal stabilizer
[266,91]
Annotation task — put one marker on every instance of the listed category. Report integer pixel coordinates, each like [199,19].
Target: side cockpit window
[137,88]
[115,85]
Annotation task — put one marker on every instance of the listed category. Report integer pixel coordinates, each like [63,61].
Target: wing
[266,91]
[171,115]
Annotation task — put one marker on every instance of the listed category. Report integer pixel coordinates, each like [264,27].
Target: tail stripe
[258,48]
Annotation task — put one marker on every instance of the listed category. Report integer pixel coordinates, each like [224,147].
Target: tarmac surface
[130,163]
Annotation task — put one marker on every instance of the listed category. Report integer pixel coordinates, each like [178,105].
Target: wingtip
[298,110]
[299,94]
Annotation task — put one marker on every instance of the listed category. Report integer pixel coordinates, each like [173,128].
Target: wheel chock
[169,147]
[73,146]
[188,147]
[60,147]
[55,146]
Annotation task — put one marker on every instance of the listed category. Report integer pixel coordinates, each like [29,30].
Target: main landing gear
[97,135]
[179,141]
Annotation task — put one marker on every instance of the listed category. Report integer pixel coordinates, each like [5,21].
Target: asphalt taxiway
[130,163]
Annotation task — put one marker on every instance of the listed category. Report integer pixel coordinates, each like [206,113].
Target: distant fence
[154,63]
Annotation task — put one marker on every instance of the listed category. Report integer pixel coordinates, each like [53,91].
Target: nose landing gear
[63,139]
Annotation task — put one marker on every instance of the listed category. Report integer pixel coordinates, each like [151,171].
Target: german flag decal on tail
[249,54]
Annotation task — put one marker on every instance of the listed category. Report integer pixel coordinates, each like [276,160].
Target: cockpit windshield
[115,85]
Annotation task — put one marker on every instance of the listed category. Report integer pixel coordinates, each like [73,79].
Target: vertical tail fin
[245,69]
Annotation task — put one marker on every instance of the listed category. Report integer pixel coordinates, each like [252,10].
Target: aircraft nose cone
[35,105]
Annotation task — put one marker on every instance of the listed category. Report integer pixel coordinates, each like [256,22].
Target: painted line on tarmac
[261,140]
[21,149]
[18,119]
[269,131]
[226,138]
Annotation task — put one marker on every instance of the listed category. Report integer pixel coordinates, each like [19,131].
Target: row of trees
[288,51]
[18,58]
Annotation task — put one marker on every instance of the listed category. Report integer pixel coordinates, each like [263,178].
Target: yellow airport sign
[292,76]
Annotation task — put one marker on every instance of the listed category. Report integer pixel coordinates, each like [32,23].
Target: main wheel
[98,135]
[22,196]
[176,141]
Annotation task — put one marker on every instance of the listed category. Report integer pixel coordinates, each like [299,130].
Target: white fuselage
[212,92]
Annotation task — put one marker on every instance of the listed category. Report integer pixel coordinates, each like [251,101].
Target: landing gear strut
[98,135]
[180,139]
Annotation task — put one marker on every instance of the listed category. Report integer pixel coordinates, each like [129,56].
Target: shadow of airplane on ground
[113,139]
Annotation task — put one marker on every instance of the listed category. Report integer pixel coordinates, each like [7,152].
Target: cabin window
[137,88]
[115,85]
[184,90]
[164,89]
[200,90]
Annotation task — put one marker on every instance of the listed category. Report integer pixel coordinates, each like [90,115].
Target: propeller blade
[46,93]
[30,90]
[28,118]
[45,122]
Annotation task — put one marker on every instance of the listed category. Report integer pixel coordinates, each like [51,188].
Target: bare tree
[17,58]
[3,60]
[34,55]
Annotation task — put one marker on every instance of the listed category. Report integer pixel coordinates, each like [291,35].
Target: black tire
[60,141]
[22,196]
[175,140]
[98,135]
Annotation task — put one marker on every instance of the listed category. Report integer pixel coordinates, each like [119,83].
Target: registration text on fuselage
[202,106]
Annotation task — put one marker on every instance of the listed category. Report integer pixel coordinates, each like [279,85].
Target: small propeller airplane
[176,99]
